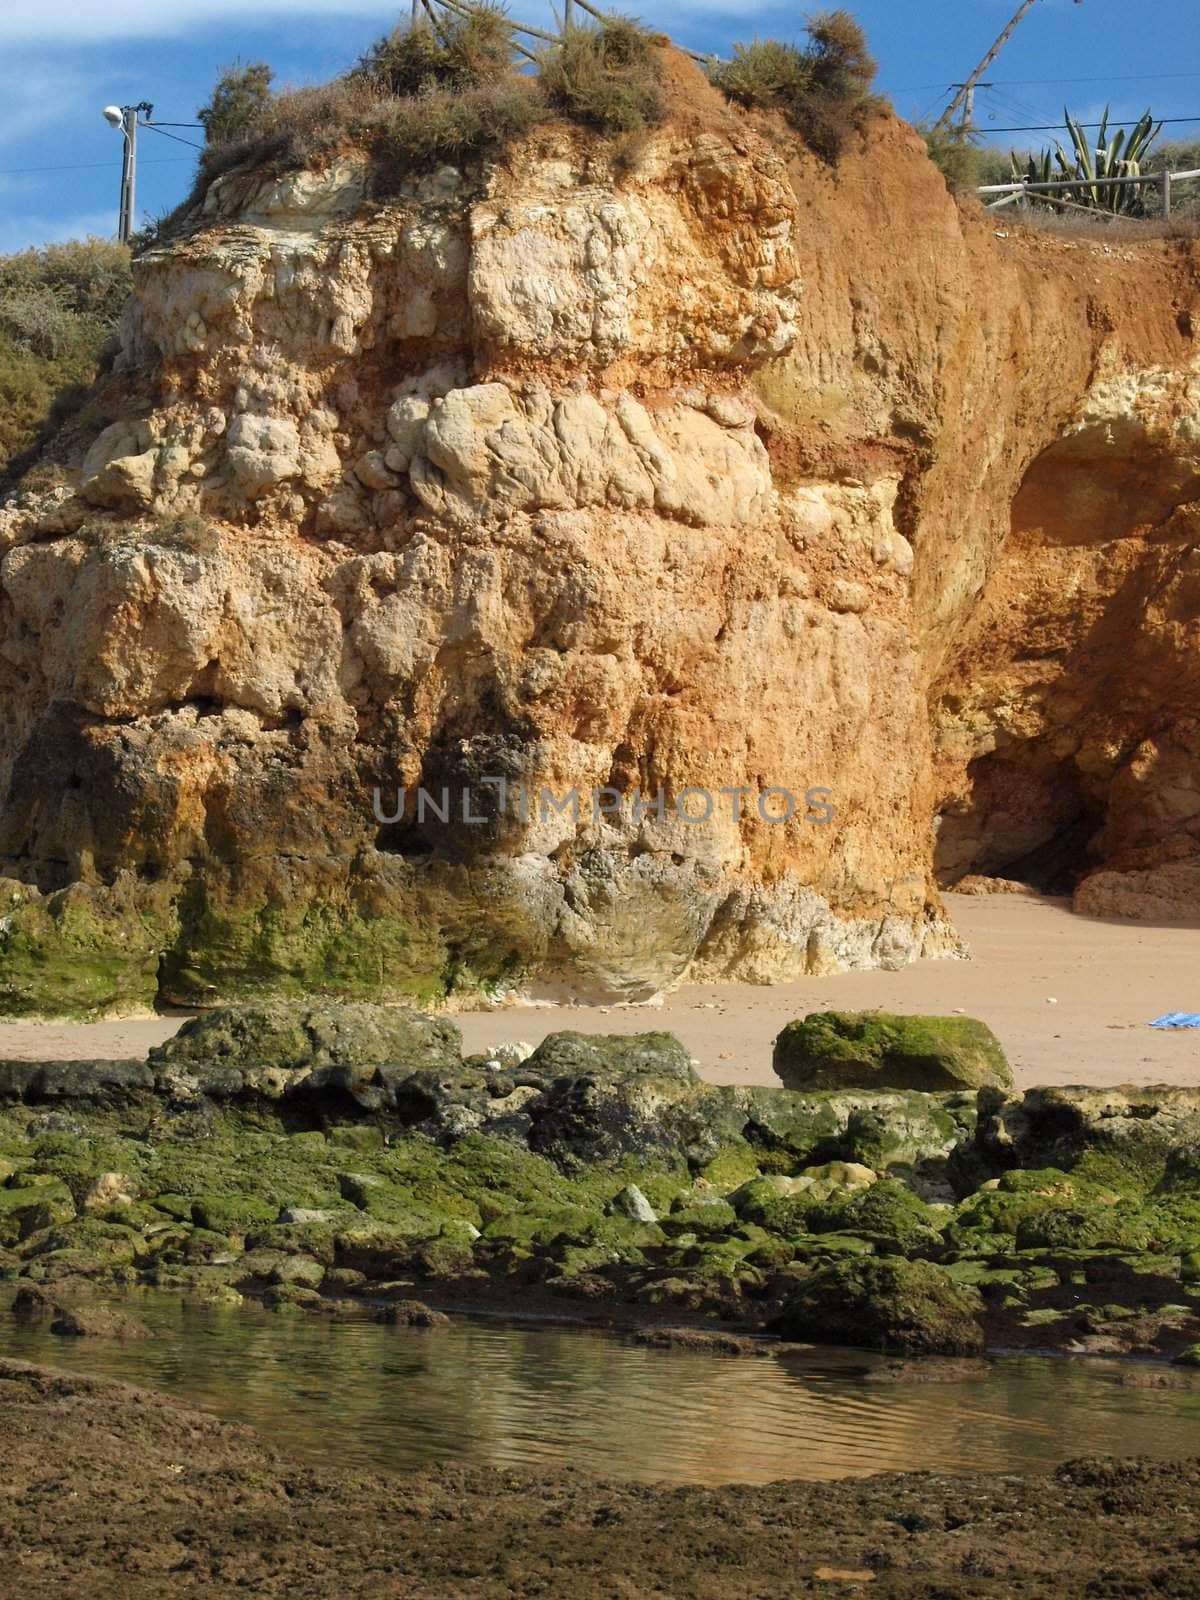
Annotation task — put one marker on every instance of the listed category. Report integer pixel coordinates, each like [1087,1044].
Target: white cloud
[35,95]
[24,232]
[35,21]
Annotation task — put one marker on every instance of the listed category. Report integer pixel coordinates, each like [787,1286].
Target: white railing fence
[1018,192]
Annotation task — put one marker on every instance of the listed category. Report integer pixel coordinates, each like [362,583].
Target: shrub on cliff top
[607,77]
[824,89]
[424,95]
[240,97]
[448,125]
[58,307]
[956,155]
[465,51]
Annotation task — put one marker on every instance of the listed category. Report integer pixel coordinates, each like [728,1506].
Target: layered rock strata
[675,474]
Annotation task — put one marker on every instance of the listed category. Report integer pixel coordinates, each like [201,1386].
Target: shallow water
[495,1394]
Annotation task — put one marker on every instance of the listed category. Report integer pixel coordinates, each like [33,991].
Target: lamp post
[126,118]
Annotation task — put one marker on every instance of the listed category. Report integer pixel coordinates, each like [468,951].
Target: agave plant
[1031,168]
[1122,156]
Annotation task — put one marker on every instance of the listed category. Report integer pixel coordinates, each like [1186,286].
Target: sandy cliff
[677,462]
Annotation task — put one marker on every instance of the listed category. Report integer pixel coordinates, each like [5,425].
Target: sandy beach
[1070,998]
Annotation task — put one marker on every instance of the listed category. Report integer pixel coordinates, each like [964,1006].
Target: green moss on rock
[294,1035]
[878,1050]
[887,1213]
[885,1304]
[82,952]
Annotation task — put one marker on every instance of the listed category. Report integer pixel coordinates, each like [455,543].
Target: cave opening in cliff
[403,838]
[1021,818]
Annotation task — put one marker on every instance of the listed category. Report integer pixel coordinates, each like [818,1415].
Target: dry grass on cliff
[405,134]
[607,78]
[1101,226]
[417,99]
[824,90]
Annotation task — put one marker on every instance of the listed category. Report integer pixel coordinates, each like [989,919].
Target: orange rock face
[689,464]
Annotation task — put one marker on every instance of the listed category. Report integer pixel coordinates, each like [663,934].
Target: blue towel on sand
[1178,1019]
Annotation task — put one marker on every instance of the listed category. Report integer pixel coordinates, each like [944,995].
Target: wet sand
[1070,998]
[110,1490]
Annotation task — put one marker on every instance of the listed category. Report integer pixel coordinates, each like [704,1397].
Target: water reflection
[500,1395]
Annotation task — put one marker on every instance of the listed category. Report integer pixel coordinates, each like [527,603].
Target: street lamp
[126,118]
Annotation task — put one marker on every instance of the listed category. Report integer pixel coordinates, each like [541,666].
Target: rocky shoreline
[113,1490]
[319,1158]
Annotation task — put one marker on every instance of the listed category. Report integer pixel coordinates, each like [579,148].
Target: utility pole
[126,118]
[966,91]
[966,123]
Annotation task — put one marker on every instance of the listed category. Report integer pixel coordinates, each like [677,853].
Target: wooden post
[568,18]
[1166,195]
[433,22]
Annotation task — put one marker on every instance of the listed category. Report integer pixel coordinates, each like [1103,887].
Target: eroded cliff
[677,462]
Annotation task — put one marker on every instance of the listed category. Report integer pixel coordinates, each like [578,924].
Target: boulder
[302,1216]
[98,1322]
[879,1050]
[632,1203]
[109,1189]
[885,1303]
[300,1270]
[609,1096]
[1145,1133]
[413,1314]
[613,1057]
[41,1083]
[33,1307]
[299,1036]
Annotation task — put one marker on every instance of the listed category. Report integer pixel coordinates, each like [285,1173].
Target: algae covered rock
[302,1035]
[413,1314]
[1130,1137]
[879,1050]
[610,1095]
[72,1317]
[885,1303]
[624,1057]
[83,1321]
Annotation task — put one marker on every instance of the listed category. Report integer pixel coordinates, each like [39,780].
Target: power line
[1026,83]
[153,127]
[92,166]
[1113,122]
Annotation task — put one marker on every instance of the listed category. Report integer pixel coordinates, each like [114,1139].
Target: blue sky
[65,59]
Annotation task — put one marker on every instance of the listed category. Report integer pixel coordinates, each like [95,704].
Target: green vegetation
[824,89]
[58,308]
[966,164]
[962,160]
[466,52]
[240,96]
[1121,156]
[452,125]
[957,155]
[605,77]
[420,96]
